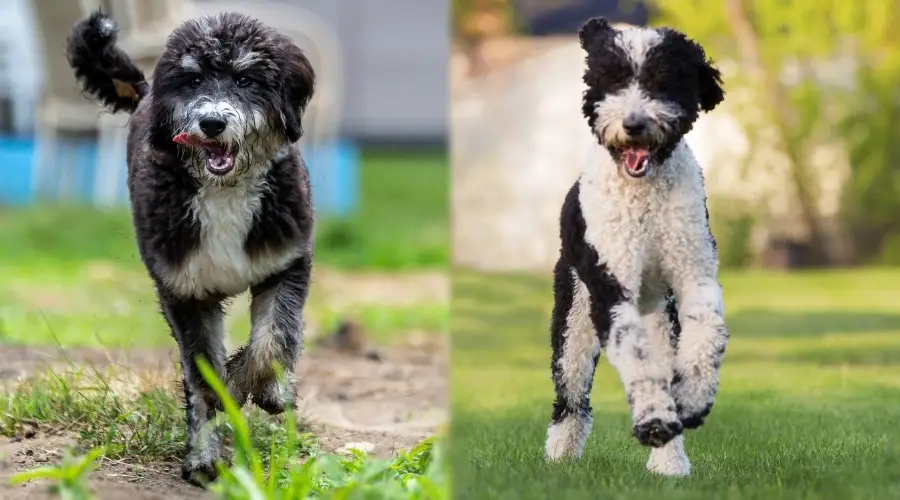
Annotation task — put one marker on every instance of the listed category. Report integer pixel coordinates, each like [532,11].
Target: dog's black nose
[634,125]
[212,125]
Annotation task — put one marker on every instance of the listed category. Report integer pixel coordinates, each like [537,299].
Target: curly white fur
[661,236]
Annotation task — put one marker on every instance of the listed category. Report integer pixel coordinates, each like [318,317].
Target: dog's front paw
[656,432]
[236,370]
[274,397]
[249,379]
[694,398]
[199,466]
[198,473]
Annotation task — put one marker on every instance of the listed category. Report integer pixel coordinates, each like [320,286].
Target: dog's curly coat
[637,273]
[220,197]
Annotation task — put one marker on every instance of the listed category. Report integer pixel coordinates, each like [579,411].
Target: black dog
[220,197]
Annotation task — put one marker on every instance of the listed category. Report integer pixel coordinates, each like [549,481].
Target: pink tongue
[635,157]
[193,140]
[187,139]
[217,158]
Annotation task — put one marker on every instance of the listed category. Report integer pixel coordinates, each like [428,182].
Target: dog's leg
[670,459]
[700,348]
[663,328]
[575,352]
[276,336]
[198,327]
[644,374]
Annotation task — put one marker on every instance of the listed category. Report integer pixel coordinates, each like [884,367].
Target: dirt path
[388,403]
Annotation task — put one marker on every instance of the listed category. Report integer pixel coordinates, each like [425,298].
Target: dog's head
[645,89]
[230,92]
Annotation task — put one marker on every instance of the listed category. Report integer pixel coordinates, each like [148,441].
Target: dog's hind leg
[276,337]
[575,352]
[198,327]
[662,325]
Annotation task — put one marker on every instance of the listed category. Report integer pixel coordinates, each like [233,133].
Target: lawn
[808,408]
[72,276]
[402,220]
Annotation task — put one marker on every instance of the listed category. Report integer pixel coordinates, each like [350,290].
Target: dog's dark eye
[196,81]
[243,81]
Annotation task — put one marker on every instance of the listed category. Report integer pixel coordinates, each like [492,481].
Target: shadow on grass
[485,326]
[764,323]
[836,440]
[765,450]
[887,356]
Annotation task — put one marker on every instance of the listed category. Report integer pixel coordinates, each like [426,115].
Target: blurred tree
[473,21]
[784,49]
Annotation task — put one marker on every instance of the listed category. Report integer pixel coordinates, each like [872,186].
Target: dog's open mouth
[219,159]
[636,160]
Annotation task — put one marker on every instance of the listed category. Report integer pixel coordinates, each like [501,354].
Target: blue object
[334,174]
[16,160]
[72,173]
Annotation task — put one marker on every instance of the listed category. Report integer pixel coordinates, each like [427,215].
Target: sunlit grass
[806,408]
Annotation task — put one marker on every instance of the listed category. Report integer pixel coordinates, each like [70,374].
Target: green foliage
[820,43]
[733,231]
[467,17]
[413,475]
[872,196]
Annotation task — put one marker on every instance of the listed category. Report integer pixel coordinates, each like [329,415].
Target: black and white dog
[220,197]
[637,273]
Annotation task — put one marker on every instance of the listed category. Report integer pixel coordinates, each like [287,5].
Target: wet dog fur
[220,198]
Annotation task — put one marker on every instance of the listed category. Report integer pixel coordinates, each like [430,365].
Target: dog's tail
[104,70]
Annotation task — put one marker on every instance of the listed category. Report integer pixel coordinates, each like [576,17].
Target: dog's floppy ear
[595,30]
[688,52]
[298,87]
[710,91]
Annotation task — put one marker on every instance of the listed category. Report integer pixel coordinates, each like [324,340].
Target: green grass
[72,275]
[100,304]
[272,460]
[401,223]
[93,304]
[143,426]
[808,408]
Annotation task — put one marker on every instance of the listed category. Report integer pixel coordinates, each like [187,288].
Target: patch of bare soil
[387,289]
[382,400]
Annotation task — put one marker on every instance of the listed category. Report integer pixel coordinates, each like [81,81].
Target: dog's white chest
[220,263]
[648,232]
